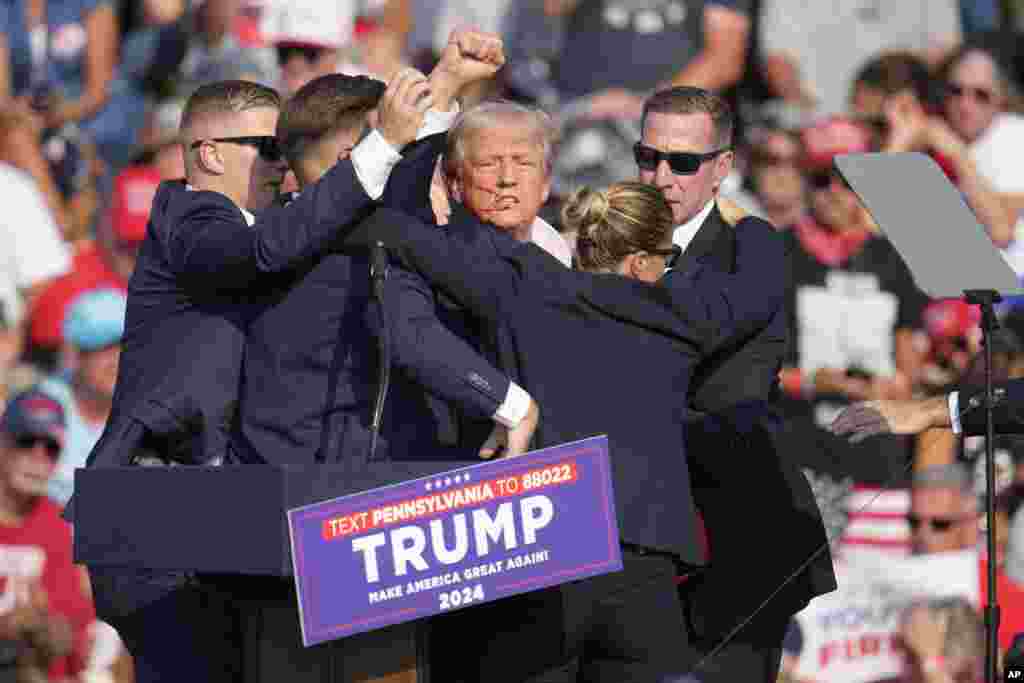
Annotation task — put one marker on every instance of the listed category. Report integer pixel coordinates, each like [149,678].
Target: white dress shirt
[550,240]
[954,411]
[684,234]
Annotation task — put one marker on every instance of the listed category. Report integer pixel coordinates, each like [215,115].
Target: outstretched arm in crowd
[722,60]
[963,410]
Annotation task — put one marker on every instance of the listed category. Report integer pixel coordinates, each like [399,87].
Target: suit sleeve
[727,307]
[408,188]
[1007,414]
[433,356]
[462,259]
[213,248]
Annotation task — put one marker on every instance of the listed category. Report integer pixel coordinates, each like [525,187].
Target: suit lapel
[714,243]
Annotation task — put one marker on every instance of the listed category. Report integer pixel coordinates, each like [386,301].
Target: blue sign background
[580,539]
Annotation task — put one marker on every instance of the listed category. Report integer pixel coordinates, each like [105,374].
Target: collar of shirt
[684,234]
[249,218]
[550,240]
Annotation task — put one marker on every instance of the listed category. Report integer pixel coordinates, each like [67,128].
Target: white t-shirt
[33,250]
[997,155]
[829,40]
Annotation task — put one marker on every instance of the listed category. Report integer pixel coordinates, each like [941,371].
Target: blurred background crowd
[91,92]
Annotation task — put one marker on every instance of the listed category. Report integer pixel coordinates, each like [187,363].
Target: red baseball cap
[134,189]
[951,318]
[832,136]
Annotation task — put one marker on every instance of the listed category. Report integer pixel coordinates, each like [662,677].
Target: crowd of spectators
[91,92]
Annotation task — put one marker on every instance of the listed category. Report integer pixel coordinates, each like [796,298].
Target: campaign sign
[462,538]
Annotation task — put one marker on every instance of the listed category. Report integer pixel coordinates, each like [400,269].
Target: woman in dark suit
[605,351]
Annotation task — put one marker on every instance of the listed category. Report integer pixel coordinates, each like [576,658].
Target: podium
[230,523]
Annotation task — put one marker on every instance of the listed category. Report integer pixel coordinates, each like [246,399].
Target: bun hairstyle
[614,223]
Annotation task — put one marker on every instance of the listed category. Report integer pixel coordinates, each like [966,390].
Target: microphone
[378,277]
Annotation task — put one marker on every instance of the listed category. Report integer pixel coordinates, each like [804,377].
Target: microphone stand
[986,298]
[378,276]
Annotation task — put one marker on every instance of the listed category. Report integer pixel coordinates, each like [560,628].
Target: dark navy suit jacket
[735,460]
[601,354]
[199,268]
[311,370]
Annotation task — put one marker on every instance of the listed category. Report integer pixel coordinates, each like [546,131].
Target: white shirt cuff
[373,159]
[954,411]
[514,408]
[435,122]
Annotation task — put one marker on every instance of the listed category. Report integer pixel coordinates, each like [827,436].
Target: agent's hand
[504,442]
[401,109]
[868,418]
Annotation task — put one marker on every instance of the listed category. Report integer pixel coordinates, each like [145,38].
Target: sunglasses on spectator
[980,94]
[266,145]
[681,163]
[937,524]
[310,53]
[823,180]
[27,443]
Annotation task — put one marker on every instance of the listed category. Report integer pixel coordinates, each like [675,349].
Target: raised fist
[471,56]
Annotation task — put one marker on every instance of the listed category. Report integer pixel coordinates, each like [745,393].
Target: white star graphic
[437,484]
[458,478]
[429,486]
[466,477]
[447,481]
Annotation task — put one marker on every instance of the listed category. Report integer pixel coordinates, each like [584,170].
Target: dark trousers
[768,550]
[175,628]
[621,627]
[750,652]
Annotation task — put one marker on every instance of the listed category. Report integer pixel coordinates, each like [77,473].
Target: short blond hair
[227,97]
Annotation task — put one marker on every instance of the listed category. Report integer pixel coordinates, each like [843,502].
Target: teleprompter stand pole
[986,299]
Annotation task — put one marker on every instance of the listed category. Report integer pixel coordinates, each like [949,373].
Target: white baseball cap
[310,22]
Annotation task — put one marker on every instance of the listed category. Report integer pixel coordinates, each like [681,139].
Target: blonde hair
[613,223]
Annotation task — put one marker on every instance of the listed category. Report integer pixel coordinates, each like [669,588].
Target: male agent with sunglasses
[200,269]
[686,151]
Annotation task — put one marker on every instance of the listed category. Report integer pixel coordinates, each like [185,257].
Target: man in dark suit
[963,411]
[656,512]
[204,255]
[686,151]
[309,397]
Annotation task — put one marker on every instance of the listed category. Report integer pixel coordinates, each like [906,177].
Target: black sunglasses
[266,145]
[981,94]
[824,179]
[27,443]
[309,53]
[938,524]
[681,163]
